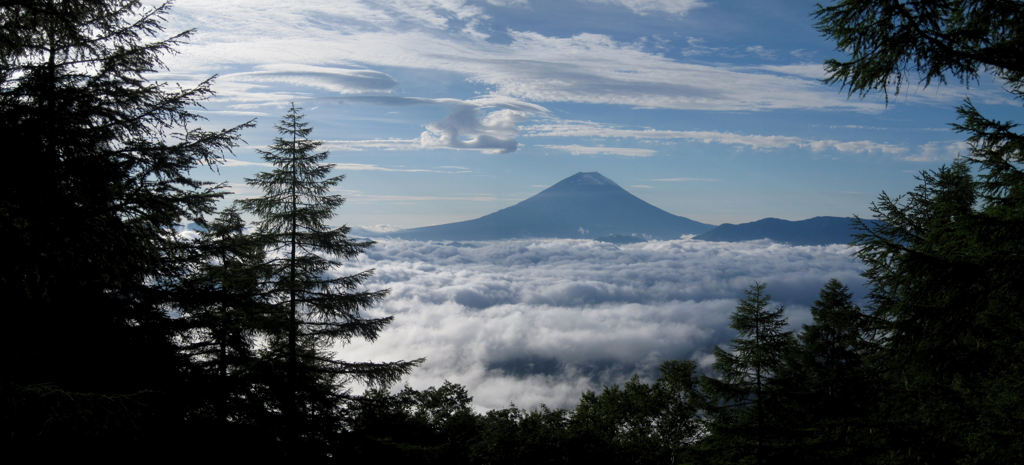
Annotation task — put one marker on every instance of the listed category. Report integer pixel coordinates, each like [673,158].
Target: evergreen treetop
[223,314]
[747,418]
[832,383]
[316,309]
[760,342]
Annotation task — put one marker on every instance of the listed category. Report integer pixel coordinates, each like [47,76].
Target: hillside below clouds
[584,205]
[591,206]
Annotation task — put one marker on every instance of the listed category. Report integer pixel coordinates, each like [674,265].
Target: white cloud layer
[540,321]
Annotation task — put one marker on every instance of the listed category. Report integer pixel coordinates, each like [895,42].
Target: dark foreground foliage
[125,340]
[635,423]
[89,358]
[946,263]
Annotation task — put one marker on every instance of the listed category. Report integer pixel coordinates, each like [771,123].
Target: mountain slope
[584,205]
[819,230]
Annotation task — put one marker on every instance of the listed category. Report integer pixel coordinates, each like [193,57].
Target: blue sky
[439,111]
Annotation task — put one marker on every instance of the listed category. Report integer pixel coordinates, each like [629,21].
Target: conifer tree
[314,309]
[224,313]
[830,377]
[747,419]
[105,155]
[944,262]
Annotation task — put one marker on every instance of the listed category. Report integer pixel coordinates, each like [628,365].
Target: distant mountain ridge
[819,230]
[584,205]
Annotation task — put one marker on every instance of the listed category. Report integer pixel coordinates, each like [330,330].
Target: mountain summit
[584,179]
[584,205]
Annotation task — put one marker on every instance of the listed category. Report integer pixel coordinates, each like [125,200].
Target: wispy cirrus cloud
[371,167]
[342,80]
[753,141]
[938,151]
[686,180]
[435,36]
[761,51]
[423,198]
[233,162]
[509,3]
[676,7]
[804,70]
[359,145]
[576,149]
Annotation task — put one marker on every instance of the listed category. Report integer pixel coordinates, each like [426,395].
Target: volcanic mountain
[584,205]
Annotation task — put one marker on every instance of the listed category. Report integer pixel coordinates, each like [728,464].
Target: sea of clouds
[535,322]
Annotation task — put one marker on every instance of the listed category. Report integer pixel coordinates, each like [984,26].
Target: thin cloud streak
[372,144]
[334,79]
[576,149]
[575,128]
[642,7]
[232,162]
[423,198]
[686,180]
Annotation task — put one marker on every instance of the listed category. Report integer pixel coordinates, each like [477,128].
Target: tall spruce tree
[223,314]
[315,309]
[747,421]
[830,378]
[945,263]
[105,155]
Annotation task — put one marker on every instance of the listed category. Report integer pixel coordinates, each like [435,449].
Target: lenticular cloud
[539,321]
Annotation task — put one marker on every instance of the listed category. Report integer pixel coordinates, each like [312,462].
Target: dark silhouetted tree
[104,157]
[832,382]
[945,264]
[436,425]
[638,422]
[224,313]
[316,308]
[747,422]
